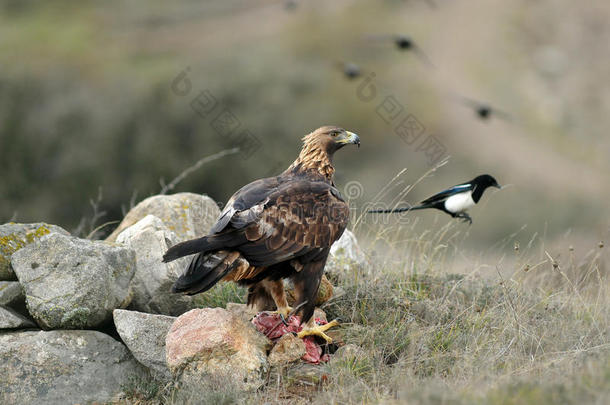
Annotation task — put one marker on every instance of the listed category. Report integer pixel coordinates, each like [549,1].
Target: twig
[96,216]
[172,184]
[510,302]
[93,232]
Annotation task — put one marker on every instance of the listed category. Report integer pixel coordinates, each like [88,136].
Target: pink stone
[219,342]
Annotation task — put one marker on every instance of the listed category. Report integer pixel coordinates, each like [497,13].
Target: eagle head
[319,147]
[330,139]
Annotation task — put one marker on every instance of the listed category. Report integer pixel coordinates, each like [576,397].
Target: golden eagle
[275,228]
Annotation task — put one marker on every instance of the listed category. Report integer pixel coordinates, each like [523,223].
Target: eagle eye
[335,133]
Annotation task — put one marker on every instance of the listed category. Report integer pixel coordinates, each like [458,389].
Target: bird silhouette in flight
[349,69]
[484,111]
[402,43]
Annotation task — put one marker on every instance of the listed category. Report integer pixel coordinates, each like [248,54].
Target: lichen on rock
[15,236]
[73,283]
[188,215]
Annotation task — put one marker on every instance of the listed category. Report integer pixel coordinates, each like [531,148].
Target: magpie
[484,111]
[350,70]
[455,200]
[403,43]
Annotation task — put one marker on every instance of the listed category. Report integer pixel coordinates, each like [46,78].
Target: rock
[73,283]
[215,342]
[188,215]
[325,292]
[144,335]
[287,349]
[11,293]
[153,279]
[347,355]
[13,313]
[300,375]
[319,313]
[10,319]
[63,367]
[345,254]
[15,236]
[243,311]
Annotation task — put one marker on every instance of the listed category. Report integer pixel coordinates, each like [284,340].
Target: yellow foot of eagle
[318,330]
[283,312]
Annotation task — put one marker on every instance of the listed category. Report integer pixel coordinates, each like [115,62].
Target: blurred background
[96,104]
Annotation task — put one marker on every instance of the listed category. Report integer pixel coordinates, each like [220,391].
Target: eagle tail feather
[203,245]
[205,270]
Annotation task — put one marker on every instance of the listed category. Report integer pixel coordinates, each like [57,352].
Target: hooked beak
[351,138]
[497,186]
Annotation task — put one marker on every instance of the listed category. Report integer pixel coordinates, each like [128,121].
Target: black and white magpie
[455,200]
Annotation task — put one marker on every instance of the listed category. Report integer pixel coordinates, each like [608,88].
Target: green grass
[221,294]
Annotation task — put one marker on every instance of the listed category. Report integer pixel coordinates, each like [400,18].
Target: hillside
[88,103]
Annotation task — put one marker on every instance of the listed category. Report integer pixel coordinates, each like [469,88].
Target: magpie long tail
[397,210]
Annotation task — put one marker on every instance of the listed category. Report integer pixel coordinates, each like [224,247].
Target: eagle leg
[275,288]
[311,329]
[306,284]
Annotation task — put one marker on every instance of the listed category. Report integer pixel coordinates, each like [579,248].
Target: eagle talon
[283,319]
[284,313]
[318,330]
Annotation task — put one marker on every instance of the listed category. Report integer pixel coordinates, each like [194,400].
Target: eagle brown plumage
[275,228]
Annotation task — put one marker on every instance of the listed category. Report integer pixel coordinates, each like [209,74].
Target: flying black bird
[483,110]
[455,200]
[350,70]
[403,43]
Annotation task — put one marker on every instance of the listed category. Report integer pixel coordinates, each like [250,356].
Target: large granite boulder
[63,367]
[188,215]
[216,343]
[15,236]
[144,335]
[73,283]
[153,279]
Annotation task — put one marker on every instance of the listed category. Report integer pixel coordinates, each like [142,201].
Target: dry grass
[439,324]
[497,334]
